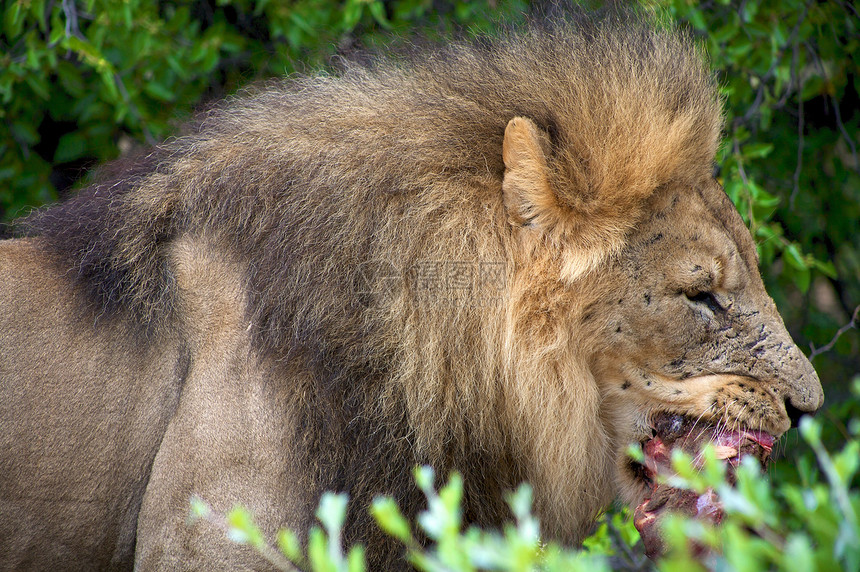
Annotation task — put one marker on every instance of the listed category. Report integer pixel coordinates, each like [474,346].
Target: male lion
[508,258]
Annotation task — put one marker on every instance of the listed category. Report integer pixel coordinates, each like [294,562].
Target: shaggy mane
[397,161]
[327,160]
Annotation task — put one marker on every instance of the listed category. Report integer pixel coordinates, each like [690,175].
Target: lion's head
[671,324]
[695,350]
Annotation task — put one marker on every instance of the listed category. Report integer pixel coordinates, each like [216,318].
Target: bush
[806,523]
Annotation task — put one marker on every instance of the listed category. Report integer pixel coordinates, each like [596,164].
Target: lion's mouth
[671,432]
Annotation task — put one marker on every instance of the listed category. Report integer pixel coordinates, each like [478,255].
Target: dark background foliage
[85,81]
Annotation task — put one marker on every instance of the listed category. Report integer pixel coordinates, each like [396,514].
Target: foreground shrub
[809,522]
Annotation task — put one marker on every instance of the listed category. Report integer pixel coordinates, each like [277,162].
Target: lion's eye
[705,298]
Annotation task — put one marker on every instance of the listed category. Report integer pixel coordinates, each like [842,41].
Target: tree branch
[829,345]
[71,12]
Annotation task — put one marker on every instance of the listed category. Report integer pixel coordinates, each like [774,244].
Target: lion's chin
[670,432]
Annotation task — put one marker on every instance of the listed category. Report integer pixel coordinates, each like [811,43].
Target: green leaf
[847,461]
[687,475]
[318,551]
[71,146]
[39,85]
[24,132]
[624,524]
[794,257]
[351,15]
[714,470]
[89,53]
[735,190]
[13,19]
[765,200]
[697,19]
[756,150]
[812,87]
[126,14]
[810,430]
[70,78]
[356,561]
[520,501]
[242,529]
[452,493]
[801,278]
[388,516]
[599,541]
[635,452]
[424,476]
[289,545]
[199,509]
[109,82]
[158,91]
[332,511]
[750,9]
[825,267]
[377,10]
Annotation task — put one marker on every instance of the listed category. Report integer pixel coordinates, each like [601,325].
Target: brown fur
[221,270]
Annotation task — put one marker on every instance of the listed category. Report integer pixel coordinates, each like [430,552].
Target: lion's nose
[795,413]
[804,395]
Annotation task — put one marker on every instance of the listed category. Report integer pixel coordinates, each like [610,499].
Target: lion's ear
[591,228]
[528,196]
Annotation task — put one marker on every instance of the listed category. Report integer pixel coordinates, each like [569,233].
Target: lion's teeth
[725,452]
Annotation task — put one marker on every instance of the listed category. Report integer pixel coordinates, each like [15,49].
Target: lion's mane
[307,179]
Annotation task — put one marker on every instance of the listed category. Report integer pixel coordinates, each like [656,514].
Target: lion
[506,257]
